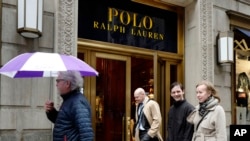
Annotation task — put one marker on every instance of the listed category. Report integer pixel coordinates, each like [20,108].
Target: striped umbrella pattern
[41,64]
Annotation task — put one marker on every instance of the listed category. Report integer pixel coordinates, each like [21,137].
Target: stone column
[65,32]
[66,27]
[199,48]
[206,35]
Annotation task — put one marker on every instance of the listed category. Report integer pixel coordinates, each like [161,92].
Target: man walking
[73,120]
[148,117]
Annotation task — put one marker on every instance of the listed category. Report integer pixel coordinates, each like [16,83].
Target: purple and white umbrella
[41,64]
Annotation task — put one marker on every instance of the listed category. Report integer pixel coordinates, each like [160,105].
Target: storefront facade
[182,49]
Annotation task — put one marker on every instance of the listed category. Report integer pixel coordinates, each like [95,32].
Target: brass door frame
[126,120]
[114,51]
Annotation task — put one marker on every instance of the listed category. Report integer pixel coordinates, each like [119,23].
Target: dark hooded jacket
[73,120]
[178,128]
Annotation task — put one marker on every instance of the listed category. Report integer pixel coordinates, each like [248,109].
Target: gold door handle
[128,123]
[131,129]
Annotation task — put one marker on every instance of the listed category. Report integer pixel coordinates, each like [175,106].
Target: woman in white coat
[208,117]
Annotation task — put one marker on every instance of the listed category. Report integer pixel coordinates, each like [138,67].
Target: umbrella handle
[51,89]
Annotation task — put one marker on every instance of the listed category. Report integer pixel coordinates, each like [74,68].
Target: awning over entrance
[244,31]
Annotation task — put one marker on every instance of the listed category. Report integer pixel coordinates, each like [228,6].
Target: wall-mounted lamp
[30,18]
[225,47]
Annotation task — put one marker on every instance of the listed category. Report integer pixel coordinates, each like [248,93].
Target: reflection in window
[242,75]
[173,78]
[141,76]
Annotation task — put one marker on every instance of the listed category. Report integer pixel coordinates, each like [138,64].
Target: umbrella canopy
[41,64]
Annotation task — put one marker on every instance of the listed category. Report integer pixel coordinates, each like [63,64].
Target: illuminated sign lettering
[125,22]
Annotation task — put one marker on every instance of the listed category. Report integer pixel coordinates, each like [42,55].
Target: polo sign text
[124,22]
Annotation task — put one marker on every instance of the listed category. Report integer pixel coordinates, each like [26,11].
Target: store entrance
[112,97]
[121,71]
[118,77]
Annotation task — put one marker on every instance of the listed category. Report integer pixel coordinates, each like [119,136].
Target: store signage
[119,20]
[128,23]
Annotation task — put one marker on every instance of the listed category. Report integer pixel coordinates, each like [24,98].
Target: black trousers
[143,133]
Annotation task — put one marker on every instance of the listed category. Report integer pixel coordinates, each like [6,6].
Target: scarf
[203,105]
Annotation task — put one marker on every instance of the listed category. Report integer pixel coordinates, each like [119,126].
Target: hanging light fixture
[30,17]
[225,47]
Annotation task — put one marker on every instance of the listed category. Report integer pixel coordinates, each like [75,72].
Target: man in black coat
[178,128]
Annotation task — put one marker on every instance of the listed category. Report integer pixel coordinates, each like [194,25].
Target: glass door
[112,92]
[112,97]
[142,75]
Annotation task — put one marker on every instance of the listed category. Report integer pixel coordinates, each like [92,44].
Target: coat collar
[145,100]
[69,94]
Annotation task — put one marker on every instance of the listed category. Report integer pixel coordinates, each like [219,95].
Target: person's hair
[210,88]
[74,77]
[140,91]
[176,84]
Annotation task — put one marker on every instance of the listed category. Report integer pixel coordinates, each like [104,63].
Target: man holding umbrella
[73,120]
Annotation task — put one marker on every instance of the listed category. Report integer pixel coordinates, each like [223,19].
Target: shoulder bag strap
[201,119]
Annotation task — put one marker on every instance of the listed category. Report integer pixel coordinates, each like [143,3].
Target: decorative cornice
[235,14]
[206,40]
[244,1]
[238,19]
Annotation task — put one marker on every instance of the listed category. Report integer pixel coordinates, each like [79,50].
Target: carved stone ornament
[66,42]
[206,40]
[67,27]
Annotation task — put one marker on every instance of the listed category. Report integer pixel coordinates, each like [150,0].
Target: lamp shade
[30,17]
[225,47]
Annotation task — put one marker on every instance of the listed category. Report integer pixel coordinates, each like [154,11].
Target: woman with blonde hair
[209,116]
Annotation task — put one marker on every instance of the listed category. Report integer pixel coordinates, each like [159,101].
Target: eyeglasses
[59,80]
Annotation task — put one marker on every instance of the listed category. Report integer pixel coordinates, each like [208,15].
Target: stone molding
[207,68]
[244,1]
[66,32]
[67,27]
[238,19]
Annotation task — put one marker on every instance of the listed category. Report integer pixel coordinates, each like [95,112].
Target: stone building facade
[22,116]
